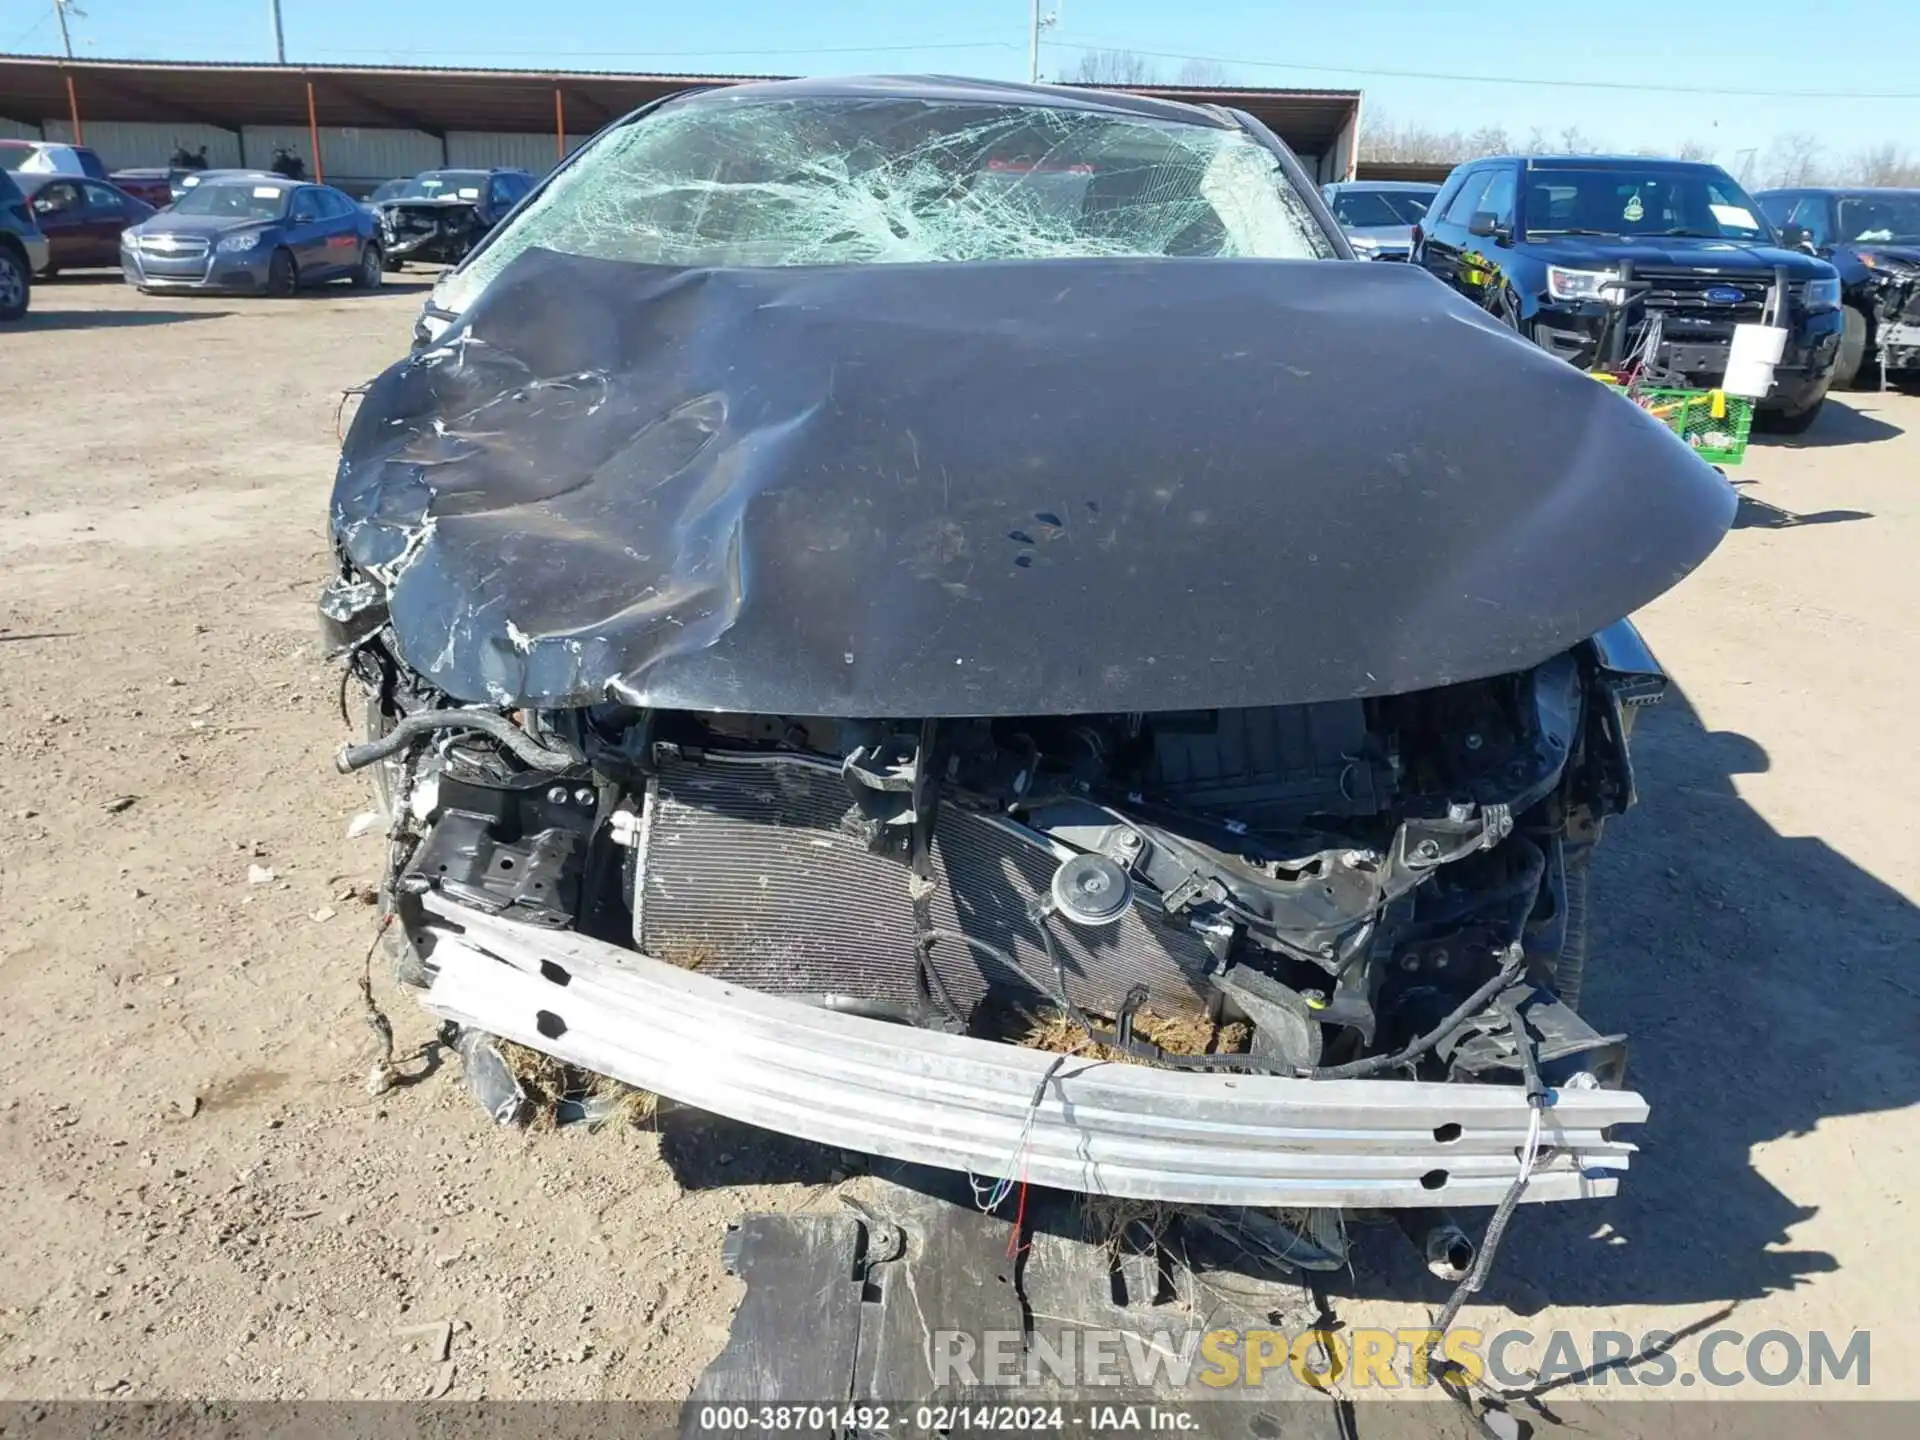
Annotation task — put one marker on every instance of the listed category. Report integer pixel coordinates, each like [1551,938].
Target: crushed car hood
[1010,488]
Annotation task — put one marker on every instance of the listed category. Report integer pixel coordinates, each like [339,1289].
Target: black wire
[930,973]
[1373,1065]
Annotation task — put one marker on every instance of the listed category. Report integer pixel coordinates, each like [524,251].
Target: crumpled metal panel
[964,1104]
[1028,487]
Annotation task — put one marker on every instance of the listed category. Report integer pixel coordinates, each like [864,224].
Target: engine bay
[1325,887]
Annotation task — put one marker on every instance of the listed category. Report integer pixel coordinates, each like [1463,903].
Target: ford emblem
[1725,295]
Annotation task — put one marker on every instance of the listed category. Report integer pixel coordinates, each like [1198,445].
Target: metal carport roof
[34,88]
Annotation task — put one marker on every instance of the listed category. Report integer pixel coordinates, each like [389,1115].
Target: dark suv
[1872,237]
[1578,252]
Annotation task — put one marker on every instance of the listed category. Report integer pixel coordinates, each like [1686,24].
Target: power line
[1374,73]
[24,34]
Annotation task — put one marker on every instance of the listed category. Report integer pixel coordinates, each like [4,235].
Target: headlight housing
[1564,284]
[234,244]
[1822,294]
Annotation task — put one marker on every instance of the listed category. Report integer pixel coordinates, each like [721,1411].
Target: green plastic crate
[1717,439]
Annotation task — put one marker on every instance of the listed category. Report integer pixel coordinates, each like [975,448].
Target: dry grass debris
[552,1086]
[1050,1028]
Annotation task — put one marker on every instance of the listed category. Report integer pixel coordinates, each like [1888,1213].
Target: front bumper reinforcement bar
[962,1103]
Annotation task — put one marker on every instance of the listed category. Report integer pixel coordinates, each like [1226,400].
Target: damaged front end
[439,230]
[1085,694]
[1893,290]
[1356,918]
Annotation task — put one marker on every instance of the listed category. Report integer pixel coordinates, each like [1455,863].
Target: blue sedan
[253,234]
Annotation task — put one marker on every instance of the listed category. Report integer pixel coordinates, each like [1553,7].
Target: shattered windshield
[844,181]
[1887,218]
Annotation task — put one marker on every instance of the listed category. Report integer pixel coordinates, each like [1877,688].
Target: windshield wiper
[1687,234]
[1572,231]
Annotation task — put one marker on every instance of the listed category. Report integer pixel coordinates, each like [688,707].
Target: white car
[44,157]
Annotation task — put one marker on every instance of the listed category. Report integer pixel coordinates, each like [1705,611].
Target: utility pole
[1040,22]
[66,40]
[279,34]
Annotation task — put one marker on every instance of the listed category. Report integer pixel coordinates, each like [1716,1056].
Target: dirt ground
[202,1199]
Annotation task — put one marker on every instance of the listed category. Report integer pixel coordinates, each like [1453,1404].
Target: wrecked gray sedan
[945,620]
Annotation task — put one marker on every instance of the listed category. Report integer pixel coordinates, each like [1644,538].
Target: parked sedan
[1379,215]
[82,219]
[265,236]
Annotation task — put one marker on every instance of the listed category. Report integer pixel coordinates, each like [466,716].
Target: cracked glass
[849,181]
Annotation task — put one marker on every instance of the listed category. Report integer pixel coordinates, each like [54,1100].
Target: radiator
[743,870]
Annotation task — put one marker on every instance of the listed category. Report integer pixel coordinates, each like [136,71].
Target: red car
[82,219]
[154,185]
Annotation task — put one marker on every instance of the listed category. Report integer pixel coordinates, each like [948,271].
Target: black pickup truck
[1578,253]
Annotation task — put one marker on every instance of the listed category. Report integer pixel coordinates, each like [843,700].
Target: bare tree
[1487,140]
[1114,67]
[1888,164]
[1383,138]
[1685,150]
[1203,72]
[1795,159]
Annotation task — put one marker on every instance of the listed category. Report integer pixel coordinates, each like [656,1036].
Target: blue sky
[1850,50]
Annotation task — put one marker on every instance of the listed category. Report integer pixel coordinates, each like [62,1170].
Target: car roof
[1399,186]
[31,180]
[1843,191]
[1600,162]
[953,89]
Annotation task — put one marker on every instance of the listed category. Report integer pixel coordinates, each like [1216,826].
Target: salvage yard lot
[203,1199]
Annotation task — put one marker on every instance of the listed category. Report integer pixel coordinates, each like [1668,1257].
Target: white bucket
[1755,351]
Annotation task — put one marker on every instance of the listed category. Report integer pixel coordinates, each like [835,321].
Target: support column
[313,137]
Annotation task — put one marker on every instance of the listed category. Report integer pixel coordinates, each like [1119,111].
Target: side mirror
[303,217]
[1795,237]
[1487,226]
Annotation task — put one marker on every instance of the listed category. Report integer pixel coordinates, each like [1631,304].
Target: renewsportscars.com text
[1376,1359]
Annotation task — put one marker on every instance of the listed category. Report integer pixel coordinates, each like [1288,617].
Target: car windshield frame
[1403,207]
[1905,204]
[202,200]
[423,186]
[861,179]
[1614,201]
